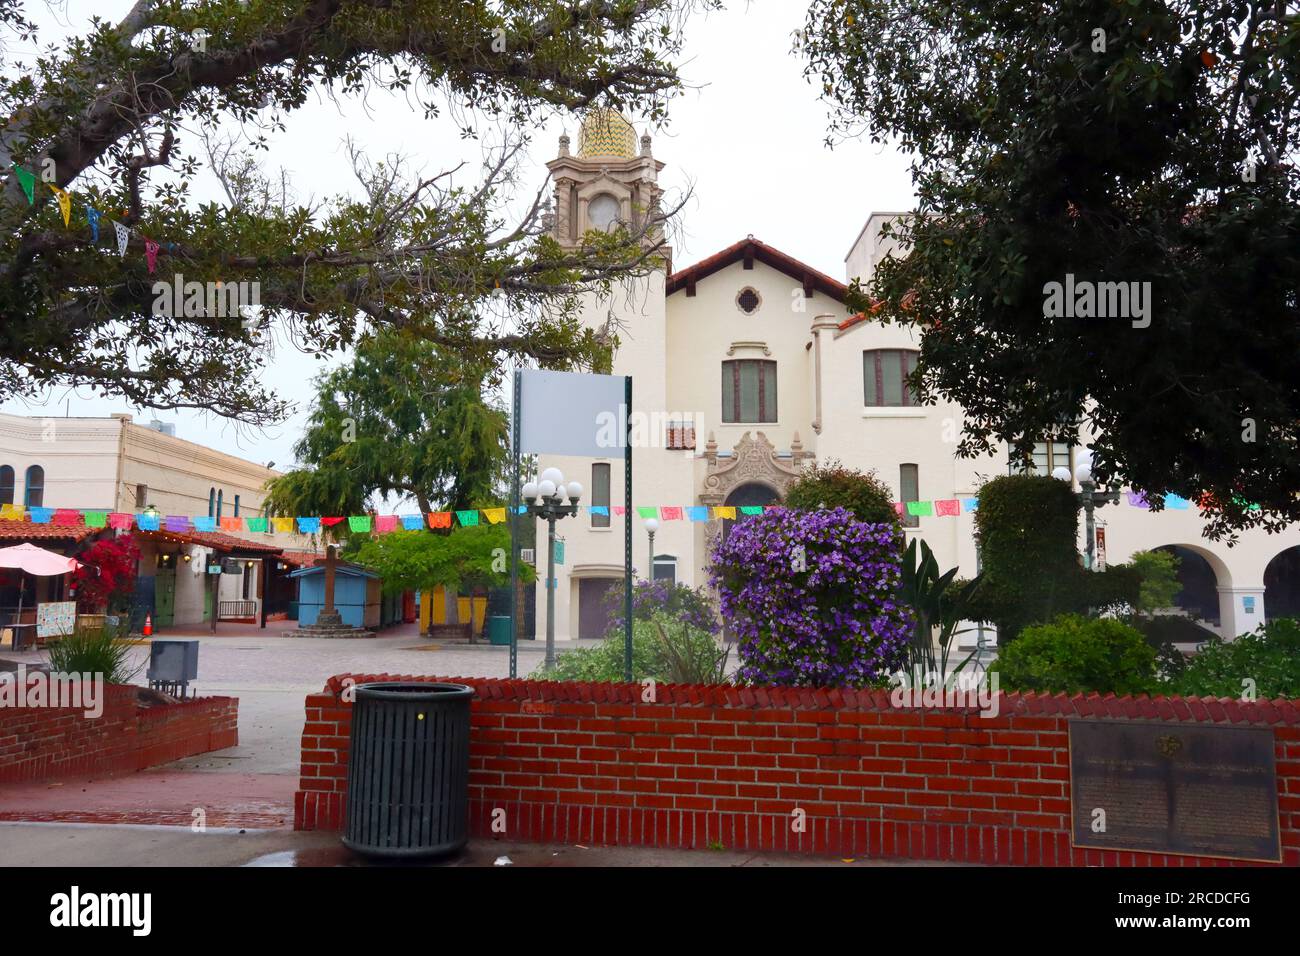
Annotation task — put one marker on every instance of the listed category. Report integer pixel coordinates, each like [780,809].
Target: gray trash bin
[408,774]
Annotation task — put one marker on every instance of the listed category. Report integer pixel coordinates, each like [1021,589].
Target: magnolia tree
[813,599]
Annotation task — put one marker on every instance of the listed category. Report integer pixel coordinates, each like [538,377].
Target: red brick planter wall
[591,763]
[45,742]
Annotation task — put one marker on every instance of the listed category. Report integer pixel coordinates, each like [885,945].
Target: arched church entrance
[749,494]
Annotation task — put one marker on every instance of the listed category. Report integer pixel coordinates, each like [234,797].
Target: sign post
[591,406]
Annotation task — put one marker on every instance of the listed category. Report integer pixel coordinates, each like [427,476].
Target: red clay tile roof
[302,559]
[218,541]
[24,530]
[749,249]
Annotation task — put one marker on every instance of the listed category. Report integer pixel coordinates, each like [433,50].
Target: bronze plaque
[1169,787]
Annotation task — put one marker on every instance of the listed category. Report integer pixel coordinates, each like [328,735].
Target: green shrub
[94,651]
[1270,657]
[1115,589]
[1159,573]
[831,485]
[1074,654]
[688,655]
[663,649]
[1028,526]
[1164,631]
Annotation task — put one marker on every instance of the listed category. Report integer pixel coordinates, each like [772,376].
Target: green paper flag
[28,182]
[467,518]
[96,519]
[647,511]
[257,524]
[360,523]
[751,509]
[920,509]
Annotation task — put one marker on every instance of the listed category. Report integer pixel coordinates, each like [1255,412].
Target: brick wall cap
[761,697]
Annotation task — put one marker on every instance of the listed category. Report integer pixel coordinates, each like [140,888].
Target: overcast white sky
[748,137]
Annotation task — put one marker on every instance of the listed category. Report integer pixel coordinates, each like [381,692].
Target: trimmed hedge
[831,485]
[1074,655]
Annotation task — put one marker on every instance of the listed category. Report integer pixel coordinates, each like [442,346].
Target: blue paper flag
[308,525]
[205,524]
[698,512]
[41,515]
[412,522]
[92,216]
[599,509]
[148,522]
[970,504]
[1177,502]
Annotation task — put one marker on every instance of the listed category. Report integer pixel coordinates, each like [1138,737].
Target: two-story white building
[757,366]
[118,465]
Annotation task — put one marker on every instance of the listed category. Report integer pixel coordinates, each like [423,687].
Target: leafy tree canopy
[111,114]
[405,418]
[1133,142]
[467,559]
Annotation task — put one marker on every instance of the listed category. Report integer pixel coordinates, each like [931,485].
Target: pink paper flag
[898,507]
[947,506]
[619,510]
[670,513]
[386,523]
[121,521]
[151,254]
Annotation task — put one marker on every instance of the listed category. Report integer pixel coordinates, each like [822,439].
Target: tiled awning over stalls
[49,535]
[223,543]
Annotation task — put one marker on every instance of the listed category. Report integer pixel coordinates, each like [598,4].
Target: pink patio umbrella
[37,561]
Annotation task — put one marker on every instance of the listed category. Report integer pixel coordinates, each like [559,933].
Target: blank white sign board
[572,413]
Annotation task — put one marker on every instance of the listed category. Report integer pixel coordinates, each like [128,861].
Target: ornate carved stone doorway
[754,474]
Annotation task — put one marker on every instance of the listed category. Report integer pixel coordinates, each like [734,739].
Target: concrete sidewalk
[53,844]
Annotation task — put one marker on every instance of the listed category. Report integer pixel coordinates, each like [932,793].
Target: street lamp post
[651,526]
[551,490]
[1091,499]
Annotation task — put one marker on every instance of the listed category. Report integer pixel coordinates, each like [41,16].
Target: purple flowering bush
[682,604]
[813,598]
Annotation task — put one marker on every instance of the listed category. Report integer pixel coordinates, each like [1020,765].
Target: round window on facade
[602,212]
[748,301]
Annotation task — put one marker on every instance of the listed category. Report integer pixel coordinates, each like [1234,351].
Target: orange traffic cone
[148,625]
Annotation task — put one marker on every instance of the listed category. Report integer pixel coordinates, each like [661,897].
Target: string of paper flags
[123,232]
[381,524]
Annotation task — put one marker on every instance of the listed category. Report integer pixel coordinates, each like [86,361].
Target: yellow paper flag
[494,515]
[728,511]
[11,512]
[282,524]
[65,203]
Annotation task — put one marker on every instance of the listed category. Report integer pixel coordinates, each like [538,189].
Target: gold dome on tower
[606,132]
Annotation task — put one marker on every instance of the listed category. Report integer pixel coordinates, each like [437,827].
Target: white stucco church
[758,366]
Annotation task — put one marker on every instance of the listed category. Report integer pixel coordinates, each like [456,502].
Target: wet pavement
[60,844]
[250,785]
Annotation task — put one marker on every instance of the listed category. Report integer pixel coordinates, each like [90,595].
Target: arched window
[909,489]
[220,503]
[35,494]
[212,502]
[6,485]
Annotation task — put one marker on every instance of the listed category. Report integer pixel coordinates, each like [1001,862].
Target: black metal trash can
[408,776]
